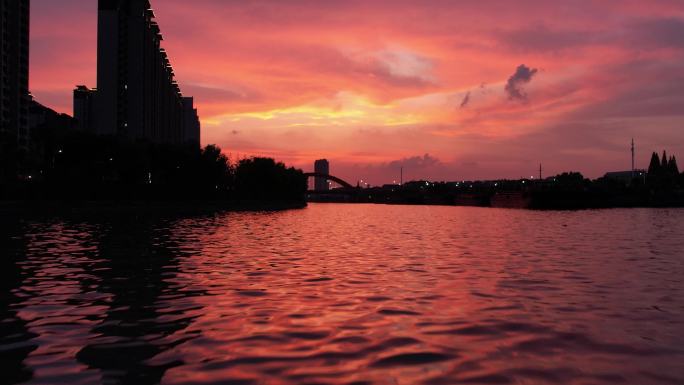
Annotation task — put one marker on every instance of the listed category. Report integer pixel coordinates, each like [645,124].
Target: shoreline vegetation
[661,186]
[68,170]
[71,171]
[109,208]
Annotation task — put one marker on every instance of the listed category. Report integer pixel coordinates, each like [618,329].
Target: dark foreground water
[346,294]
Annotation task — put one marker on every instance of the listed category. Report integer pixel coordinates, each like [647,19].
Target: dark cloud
[661,33]
[466,100]
[643,33]
[419,167]
[415,162]
[648,89]
[541,38]
[514,87]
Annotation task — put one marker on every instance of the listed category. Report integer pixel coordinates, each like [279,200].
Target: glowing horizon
[450,90]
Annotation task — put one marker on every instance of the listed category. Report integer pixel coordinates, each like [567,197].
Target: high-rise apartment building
[137,95]
[14,71]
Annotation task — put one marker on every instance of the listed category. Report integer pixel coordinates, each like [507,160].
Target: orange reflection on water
[349,294]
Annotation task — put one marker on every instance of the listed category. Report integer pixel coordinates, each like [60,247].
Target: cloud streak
[466,100]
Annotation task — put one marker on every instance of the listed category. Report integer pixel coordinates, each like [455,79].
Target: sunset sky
[450,90]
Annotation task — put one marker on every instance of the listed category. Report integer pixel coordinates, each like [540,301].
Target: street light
[54,157]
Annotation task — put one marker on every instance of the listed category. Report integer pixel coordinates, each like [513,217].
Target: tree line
[661,186]
[73,165]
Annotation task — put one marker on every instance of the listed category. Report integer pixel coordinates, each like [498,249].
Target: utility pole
[540,171]
[633,156]
[401,177]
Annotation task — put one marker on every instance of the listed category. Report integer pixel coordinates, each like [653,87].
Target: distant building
[321,166]
[84,108]
[191,122]
[14,71]
[137,96]
[626,177]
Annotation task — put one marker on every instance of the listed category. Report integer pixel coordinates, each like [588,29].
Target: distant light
[59,151]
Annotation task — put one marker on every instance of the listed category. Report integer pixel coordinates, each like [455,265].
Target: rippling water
[346,294]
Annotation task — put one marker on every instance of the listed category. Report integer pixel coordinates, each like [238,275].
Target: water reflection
[135,272]
[339,294]
[15,339]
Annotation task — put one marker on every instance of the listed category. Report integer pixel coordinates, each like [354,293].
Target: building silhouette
[321,166]
[137,96]
[84,108]
[191,122]
[43,119]
[626,177]
[14,71]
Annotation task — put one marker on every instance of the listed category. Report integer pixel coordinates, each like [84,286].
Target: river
[345,294]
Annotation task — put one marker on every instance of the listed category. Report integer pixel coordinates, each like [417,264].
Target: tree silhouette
[654,176]
[264,179]
[663,173]
[672,166]
[655,167]
[215,169]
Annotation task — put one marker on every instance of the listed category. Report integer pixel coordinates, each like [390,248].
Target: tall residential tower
[14,71]
[137,96]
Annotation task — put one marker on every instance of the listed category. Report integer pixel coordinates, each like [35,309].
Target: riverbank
[523,202]
[560,194]
[107,207]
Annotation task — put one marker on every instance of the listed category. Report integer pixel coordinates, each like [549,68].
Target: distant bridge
[328,177]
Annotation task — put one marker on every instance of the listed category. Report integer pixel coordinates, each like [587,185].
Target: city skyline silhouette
[413,89]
